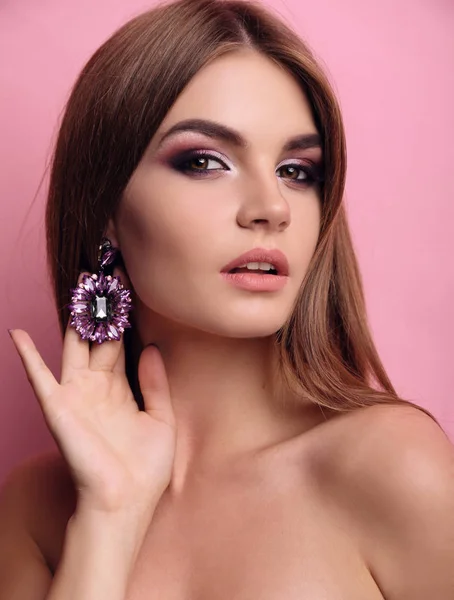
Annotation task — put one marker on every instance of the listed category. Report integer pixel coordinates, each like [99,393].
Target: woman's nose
[264,206]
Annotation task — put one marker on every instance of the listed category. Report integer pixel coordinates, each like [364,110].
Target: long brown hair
[116,105]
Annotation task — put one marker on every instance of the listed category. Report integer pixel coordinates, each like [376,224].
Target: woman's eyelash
[182,163]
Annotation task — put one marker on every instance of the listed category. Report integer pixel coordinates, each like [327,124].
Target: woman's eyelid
[295,160]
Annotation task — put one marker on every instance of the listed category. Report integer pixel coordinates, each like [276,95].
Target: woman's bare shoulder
[392,472]
[46,499]
[386,435]
[370,460]
[371,447]
[357,440]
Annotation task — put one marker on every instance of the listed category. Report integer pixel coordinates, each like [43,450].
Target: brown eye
[198,162]
[303,176]
[294,171]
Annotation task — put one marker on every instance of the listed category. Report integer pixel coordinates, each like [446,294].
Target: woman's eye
[297,173]
[202,163]
[197,163]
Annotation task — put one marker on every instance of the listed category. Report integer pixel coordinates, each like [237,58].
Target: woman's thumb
[154,385]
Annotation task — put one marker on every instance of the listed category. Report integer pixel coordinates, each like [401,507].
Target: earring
[100,303]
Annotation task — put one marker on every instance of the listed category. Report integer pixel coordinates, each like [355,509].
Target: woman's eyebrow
[212,129]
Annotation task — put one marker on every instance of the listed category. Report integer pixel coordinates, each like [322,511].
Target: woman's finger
[120,364]
[103,357]
[76,351]
[39,375]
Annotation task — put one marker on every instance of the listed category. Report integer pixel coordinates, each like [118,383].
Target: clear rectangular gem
[100,308]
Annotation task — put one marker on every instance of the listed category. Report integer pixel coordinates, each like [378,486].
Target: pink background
[392,65]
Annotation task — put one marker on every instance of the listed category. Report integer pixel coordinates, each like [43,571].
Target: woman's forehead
[247,92]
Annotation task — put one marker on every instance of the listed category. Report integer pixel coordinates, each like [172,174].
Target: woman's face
[196,202]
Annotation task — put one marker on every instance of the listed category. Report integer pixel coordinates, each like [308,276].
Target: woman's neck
[226,398]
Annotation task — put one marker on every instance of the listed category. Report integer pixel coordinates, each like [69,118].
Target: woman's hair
[326,352]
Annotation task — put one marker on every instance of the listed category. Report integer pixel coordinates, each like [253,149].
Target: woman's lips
[261,255]
[256,282]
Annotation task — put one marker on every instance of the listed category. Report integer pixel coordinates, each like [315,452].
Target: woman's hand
[120,458]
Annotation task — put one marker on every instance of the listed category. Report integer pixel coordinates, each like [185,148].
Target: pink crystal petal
[90,284]
[113,285]
[113,332]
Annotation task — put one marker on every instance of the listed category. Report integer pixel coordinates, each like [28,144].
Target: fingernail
[9,331]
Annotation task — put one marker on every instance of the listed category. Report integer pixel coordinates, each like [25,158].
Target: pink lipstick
[259,270]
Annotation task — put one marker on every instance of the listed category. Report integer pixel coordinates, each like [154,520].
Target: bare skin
[334,513]
[263,501]
[263,527]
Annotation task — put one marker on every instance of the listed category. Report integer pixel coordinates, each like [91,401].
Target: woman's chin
[244,328]
[233,323]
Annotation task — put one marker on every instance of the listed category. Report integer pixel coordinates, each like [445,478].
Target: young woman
[231,432]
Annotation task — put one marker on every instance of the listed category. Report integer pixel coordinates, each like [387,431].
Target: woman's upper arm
[24,574]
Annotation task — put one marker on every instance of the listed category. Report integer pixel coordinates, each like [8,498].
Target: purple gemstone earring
[100,303]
